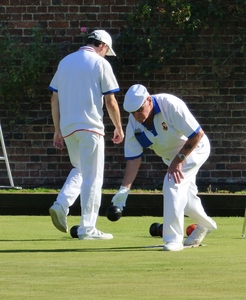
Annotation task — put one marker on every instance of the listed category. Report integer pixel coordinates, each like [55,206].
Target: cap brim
[110,52]
[132,108]
[135,98]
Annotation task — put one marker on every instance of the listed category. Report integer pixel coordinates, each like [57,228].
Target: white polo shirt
[81,80]
[173,124]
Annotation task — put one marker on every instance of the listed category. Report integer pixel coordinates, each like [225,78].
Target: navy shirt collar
[155,105]
[156,109]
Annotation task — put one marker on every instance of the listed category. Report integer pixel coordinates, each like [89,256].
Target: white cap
[103,36]
[135,97]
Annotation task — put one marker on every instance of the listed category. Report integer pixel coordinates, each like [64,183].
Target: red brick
[56,24]
[23,24]
[43,17]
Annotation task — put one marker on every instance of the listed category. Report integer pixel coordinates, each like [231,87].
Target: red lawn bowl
[190,229]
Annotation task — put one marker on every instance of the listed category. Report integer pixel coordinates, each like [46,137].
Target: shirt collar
[155,105]
[156,109]
[87,48]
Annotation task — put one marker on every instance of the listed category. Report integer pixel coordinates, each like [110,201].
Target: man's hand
[58,141]
[175,170]
[118,136]
[120,197]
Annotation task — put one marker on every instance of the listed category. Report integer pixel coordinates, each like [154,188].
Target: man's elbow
[200,134]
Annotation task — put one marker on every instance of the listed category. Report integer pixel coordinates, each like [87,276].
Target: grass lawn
[39,262]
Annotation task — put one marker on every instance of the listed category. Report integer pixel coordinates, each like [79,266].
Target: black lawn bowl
[153,230]
[113,213]
[74,231]
[160,230]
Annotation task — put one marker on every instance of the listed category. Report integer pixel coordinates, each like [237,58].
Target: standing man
[82,83]
[164,124]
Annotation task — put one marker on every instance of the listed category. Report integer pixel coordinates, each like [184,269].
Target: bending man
[164,124]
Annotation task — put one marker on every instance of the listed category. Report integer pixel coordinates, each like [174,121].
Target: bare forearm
[113,110]
[132,167]
[175,168]
[191,143]
[55,111]
[58,141]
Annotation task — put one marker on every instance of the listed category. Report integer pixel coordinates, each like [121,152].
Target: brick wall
[191,75]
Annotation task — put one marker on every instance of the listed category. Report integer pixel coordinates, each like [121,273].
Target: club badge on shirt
[164,126]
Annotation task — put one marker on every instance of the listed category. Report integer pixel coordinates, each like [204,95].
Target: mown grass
[39,262]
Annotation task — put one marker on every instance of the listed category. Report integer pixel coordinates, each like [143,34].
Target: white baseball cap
[135,97]
[103,36]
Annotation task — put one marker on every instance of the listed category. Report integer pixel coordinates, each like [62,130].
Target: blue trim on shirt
[142,139]
[134,157]
[194,133]
[156,105]
[156,111]
[52,89]
[112,91]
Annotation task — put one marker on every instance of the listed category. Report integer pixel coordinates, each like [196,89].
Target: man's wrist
[181,156]
[124,188]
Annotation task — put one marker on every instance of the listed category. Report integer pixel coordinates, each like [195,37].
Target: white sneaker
[197,236]
[95,235]
[58,217]
[172,246]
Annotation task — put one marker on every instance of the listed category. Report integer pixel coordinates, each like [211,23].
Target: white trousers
[181,199]
[86,153]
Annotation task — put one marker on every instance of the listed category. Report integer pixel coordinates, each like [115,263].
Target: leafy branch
[157,29]
[21,69]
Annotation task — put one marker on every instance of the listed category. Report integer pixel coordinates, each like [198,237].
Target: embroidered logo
[164,126]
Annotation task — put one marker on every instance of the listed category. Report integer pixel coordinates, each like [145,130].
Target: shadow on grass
[114,249]
[32,240]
